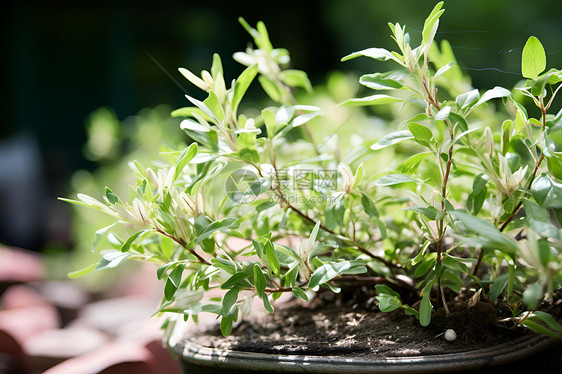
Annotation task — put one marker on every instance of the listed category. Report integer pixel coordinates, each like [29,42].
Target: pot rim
[500,354]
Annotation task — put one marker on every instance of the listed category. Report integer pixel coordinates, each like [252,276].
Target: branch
[184,245]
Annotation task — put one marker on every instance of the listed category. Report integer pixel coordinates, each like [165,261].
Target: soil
[330,325]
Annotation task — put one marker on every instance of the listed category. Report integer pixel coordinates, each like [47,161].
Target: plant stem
[184,245]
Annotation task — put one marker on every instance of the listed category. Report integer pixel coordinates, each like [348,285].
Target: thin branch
[184,245]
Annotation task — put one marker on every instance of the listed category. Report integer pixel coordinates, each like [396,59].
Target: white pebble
[450,335]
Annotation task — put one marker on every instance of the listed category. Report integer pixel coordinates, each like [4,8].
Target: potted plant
[453,218]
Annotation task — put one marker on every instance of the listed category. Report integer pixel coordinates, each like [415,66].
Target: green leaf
[226,325]
[229,301]
[412,164]
[547,319]
[328,272]
[271,257]
[111,197]
[234,280]
[388,303]
[494,93]
[431,21]
[127,245]
[213,103]
[487,234]
[498,285]
[299,293]
[538,328]
[421,133]
[173,281]
[266,303]
[392,138]
[259,279]
[112,259]
[384,289]
[430,212]
[368,206]
[443,114]
[378,99]
[296,78]
[100,234]
[478,195]
[392,179]
[380,81]
[538,220]
[225,223]
[533,295]
[533,61]
[425,306]
[82,272]
[241,86]
[376,53]
[270,88]
[183,159]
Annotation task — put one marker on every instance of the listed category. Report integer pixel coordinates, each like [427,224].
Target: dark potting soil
[328,326]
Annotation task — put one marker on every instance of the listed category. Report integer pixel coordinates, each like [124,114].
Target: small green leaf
[421,133]
[270,88]
[430,212]
[328,272]
[368,206]
[266,303]
[538,220]
[234,280]
[392,179]
[242,84]
[82,272]
[226,325]
[384,289]
[379,99]
[376,53]
[296,78]
[533,61]
[392,138]
[259,279]
[111,197]
[425,306]
[112,259]
[229,301]
[299,293]
[100,235]
[538,328]
[412,164]
[498,285]
[184,158]
[388,303]
[127,245]
[271,257]
[494,93]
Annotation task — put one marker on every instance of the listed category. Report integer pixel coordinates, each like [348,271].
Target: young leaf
[299,293]
[259,279]
[430,212]
[100,234]
[379,99]
[184,158]
[392,138]
[241,86]
[425,306]
[82,272]
[368,206]
[533,61]
[392,179]
[376,53]
[226,325]
[112,259]
[421,133]
[327,272]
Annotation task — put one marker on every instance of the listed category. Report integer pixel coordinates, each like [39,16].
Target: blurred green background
[63,60]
